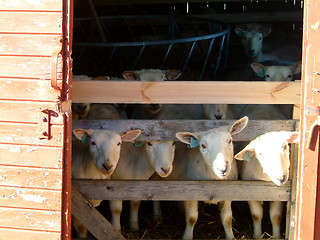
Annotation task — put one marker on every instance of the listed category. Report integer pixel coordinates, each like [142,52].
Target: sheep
[96,157]
[267,159]
[211,160]
[252,39]
[276,73]
[140,162]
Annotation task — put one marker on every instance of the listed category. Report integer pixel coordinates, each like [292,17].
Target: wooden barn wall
[30,164]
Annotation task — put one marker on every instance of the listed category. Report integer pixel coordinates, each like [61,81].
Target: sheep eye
[285,147]
[174,143]
[229,141]
[93,143]
[203,146]
[119,143]
[289,76]
[149,143]
[260,38]
[267,75]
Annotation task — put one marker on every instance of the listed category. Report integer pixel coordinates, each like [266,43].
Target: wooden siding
[30,164]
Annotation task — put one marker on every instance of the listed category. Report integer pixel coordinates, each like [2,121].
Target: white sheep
[147,75]
[267,158]
[252,41]
[212,160]
[96,157]
[141,162]
[276,72]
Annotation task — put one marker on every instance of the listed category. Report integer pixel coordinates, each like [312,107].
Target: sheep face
[215,111]
[216,146]
[160,155]
[147,75]
[80,109]
[277,73]
[272,151]
[105,146]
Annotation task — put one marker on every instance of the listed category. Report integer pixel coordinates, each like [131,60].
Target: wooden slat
[14,234]
[27,89]
[43,5]
[31,177]
[35,156]
[180,190]
[187,92]
[30,198]
[13,133]
[26,67]
[30,112]
[18,44]
[30,219]
[166,129]
[92,219]
[30,22]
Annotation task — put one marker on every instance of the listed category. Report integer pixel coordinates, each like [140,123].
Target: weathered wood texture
[91,218]
[166,129]
[27,89]
[13,234]
[52,5]
[30,219]
[30,168]
[187,92]
[30,156]
[307,225]
[180,190]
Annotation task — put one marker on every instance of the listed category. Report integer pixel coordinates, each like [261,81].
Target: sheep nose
[218,116]
[107,167]
[282,179]
[165,170]
[251,52]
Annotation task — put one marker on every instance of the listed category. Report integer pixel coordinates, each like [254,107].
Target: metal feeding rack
[186,43]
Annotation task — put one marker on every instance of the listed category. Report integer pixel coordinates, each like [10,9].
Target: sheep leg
[256,210]
[275,216]
[191,214]
[157,215]
[226,218]
[134,214]
[80,229]
[116,208]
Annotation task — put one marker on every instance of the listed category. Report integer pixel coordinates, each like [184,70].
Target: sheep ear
[245,154]
[131,135]
[82,134]
[265,30]
[293,137]
[296,68]
[185,137]
[239,125]
[173,74]
[130,75]
[239,31]
[259,69]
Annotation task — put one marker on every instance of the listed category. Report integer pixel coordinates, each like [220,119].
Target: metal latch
[314,130]
[44,123]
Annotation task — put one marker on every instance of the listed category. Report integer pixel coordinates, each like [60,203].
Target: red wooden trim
[306,223]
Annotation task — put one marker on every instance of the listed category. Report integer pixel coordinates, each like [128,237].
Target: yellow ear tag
[247,156]
[193,143]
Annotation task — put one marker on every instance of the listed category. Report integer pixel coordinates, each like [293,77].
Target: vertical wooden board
[30,198]
[14,234]
[27,89]
[28,44]
[30,156]
[31,177]
[307,226]
[16,133]
[30,219]
[26,67]
[43,5]
[31,22]
[29,112]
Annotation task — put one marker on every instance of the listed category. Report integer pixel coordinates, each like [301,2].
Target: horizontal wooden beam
[166,129]
[182,190]
[187,92]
